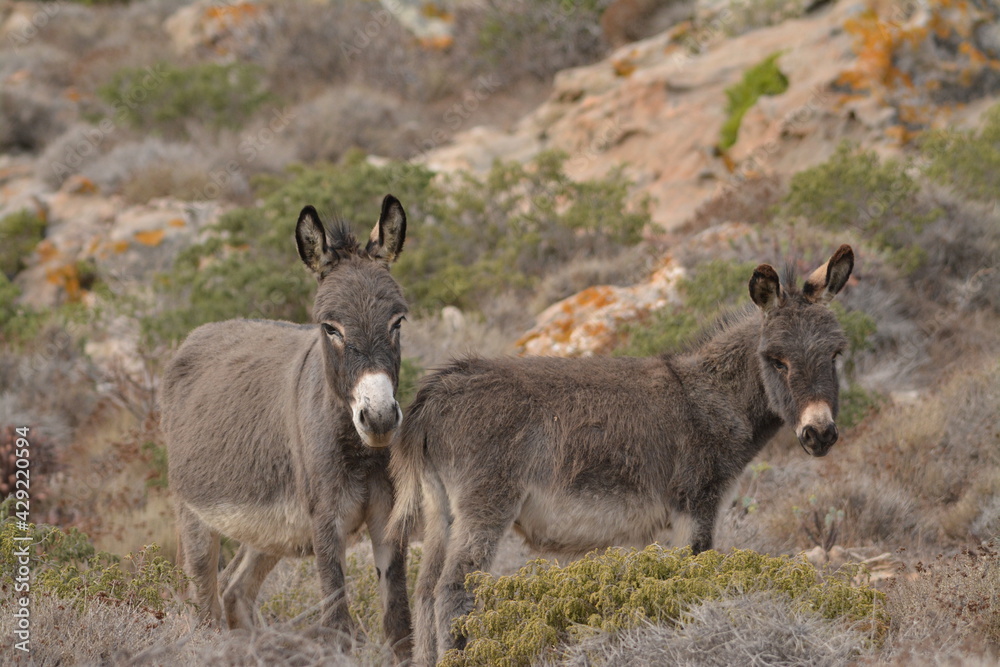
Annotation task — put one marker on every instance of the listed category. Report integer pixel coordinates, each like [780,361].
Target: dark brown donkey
[578,454]
[276,432]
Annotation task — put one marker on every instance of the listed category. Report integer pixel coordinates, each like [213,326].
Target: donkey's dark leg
[472,546]
[704,514]
[437,524]
[330,548]
[390,565]
[243,579]
[201,560]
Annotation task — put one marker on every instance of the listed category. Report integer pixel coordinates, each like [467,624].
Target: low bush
[967,161]
[65,564]
[470,239]
[19,232]
[879,199]
[18,323]
[163,98]
[523,618]
[504,232]
[30,117]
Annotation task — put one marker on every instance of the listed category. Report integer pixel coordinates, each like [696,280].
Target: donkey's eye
[331,330]
[397,324]
[778,364]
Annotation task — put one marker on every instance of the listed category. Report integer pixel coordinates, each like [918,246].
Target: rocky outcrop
[657,107]
[85,227]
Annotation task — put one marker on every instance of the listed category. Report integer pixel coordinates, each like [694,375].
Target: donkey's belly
[281,529]
[569,523]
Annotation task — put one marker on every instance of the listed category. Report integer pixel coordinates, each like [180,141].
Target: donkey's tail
[406,466]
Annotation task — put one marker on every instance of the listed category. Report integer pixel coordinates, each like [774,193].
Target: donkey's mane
[341,237]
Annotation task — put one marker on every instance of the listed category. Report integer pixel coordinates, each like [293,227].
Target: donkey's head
[359,308]
[799,344]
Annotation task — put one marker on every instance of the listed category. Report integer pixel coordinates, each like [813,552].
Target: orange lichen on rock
[151,238]
[437,42]
[907,60]
[177,222]
[623,67]
[46,250]
[232,14]
[68,278]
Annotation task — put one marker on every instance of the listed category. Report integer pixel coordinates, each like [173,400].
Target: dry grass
[354,116]
[758,629]
[947,607]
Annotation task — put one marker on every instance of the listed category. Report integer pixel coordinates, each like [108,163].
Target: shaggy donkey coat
[577,454]
[276,432]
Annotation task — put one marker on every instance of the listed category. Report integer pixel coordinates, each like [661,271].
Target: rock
[125,244]
[208,27]
[657,108]
[587,323]
[430,22]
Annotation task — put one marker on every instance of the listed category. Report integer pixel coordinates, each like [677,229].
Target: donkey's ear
[310,237]
[389,234]
[765,287]
[827,280]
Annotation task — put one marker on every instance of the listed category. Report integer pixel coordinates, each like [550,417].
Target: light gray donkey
[276,432]
[578,454]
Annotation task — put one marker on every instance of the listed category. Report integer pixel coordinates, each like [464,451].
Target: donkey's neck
[730,367]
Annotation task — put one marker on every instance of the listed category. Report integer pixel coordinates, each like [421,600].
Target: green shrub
[762,79]
[856,402]
[503,233]
[856,190]
[18,323]
[967,161]
[250,268]
[66,564]
[164,97]
[713,288]
[410,372]
[520,619]
[19,234]
[469,239]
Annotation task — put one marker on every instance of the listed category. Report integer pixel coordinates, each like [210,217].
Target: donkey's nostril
[361,416]
[829,435]
[809,436]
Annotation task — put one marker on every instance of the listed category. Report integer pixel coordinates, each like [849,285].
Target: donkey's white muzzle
[376,413]
[816,429]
